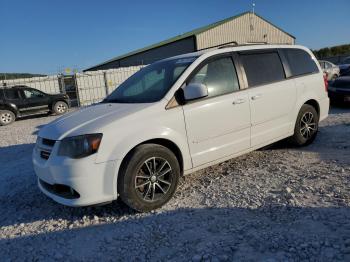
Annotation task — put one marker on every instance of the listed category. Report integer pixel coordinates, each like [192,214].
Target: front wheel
[306,126]
[60,108]
[6,117]
[150,177]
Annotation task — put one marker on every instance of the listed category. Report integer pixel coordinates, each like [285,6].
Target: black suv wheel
[6,117]
[150,178]
[60,108]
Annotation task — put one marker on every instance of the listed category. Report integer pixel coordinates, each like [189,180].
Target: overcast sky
[42,36]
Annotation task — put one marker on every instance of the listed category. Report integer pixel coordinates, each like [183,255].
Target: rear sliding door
[272,97]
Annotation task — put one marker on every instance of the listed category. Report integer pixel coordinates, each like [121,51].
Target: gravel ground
[275,204]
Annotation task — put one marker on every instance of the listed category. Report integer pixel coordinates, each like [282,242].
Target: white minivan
[177,116]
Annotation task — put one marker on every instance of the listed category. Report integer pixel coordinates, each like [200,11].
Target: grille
[44,147]
[45,154]
[60,190]
[48,142]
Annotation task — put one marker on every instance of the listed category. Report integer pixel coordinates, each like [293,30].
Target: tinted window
[219,76]
[151,83]
[300,62]
[263,68]
[11,93]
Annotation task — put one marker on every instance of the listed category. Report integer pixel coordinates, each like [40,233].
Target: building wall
[183,46]
[240,30]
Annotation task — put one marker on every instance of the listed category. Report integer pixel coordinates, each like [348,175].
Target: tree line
[9,76]
[332,51]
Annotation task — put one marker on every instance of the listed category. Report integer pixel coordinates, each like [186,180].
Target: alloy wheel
[153,179]
[6,118]
[308,125]
[61,108]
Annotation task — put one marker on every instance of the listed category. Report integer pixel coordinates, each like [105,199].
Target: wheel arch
[10,107]
[314,104]
[173,147]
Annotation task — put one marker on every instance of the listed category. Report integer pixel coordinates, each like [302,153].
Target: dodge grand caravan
[177,116]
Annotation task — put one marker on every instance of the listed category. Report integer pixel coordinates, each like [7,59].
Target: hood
[88,120]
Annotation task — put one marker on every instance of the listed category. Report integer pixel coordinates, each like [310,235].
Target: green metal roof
[182,36]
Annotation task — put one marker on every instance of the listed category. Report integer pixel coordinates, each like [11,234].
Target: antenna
[253,6]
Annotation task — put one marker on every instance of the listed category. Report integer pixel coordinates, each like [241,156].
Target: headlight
[80,146]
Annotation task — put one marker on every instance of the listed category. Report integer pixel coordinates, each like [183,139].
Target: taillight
[325,82]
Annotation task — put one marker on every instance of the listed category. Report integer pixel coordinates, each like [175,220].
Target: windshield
[151,83]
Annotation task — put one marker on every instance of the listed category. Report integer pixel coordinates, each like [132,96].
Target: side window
[329,65]
[11,94]
[219,76]
[30,93]
[300,62]
[263,68]
[322,64]
[1,94]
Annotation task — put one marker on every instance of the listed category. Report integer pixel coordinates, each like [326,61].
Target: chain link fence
[83,89]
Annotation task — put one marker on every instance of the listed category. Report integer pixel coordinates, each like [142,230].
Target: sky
[45,36]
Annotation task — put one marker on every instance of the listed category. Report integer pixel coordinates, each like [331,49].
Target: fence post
[77,89]
[106,82]
[61,84]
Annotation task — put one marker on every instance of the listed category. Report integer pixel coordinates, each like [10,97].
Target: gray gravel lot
[275,204]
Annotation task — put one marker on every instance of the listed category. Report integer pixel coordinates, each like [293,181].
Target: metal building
[244,28]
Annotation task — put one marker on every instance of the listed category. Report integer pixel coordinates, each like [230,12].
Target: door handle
[238,101]
[256,97]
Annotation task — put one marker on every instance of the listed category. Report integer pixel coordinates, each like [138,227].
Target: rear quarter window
[262,68]
[300,62]
[11,93]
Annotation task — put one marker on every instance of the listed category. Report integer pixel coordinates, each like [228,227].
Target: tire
[306,126]
[143,187]
[60,108]
[6,117]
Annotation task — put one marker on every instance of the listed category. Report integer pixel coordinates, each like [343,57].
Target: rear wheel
[60,108]
[150,177]
[306,126]
[6,117]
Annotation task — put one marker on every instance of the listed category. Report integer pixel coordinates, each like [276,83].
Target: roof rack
[235,45]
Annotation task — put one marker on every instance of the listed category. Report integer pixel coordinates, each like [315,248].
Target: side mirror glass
[195,91]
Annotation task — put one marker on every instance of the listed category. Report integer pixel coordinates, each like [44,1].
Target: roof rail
[235,45]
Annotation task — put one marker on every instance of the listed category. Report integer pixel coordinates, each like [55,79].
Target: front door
[34,99]
[218,125]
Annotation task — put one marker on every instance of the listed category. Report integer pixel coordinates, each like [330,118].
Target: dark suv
[20,101]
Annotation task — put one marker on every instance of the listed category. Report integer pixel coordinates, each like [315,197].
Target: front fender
[119,139]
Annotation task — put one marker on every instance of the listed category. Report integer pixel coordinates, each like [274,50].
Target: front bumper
[89,183]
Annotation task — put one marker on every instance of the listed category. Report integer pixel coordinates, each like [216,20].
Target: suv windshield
[151,83]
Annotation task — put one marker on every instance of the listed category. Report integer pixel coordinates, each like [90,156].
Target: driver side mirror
[195,91]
